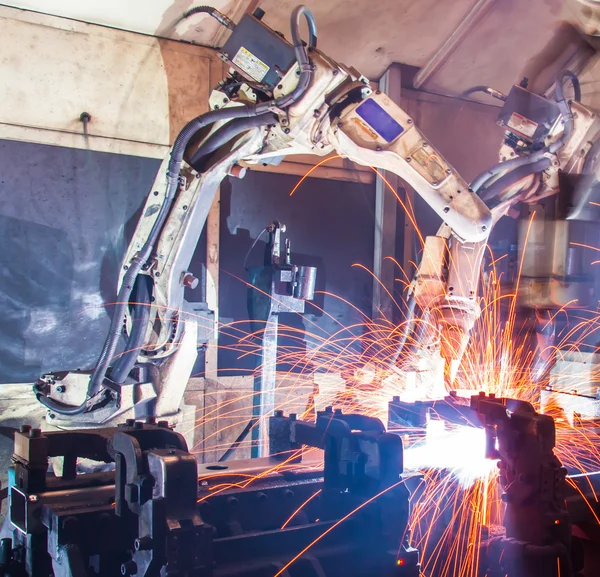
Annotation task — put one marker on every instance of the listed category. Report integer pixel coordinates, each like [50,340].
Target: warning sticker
[521,124]
[250,64]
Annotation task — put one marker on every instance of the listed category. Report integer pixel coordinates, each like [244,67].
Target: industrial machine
[343,512]
[281,99]
[156,513]
[331,499]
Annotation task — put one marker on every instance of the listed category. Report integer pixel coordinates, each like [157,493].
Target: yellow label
[250,64]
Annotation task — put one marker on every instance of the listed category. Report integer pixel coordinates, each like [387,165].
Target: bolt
[130,422]
[408,159]
[448,171]
[293,416]
[25,428]
[279,413]
[261,496]
[329,409]
[157,274]
[279,86]
[143,543]
[395,399]
[378,92]
[288,494]
[484,228]
[60,389]
[138,425]
[286,130]
[424,145]
[34,433]
[184,207]
[156,193]
[409,121]
[150,420]
[225,100]
[378,149]
[233,502]
[335,72]
[163,424]
[189,280]
[238,171]
[129,568]
[52,415]
[33,498]
[340,124]
[338,412]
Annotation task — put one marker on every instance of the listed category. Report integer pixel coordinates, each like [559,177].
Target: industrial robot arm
[279,99]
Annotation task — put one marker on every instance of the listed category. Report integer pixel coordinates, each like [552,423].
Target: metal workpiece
[154,513]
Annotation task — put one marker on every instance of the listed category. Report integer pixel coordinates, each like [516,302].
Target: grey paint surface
[65,216]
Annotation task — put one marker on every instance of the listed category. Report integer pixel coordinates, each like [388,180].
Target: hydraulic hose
[144,254]
[506,166]
[564,75]
[60,408]
[306,68]
[211,11]
[486,90]
[227,132]
[181,142]
[140,316]
[512,178]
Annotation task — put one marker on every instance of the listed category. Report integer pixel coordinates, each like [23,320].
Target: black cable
[564,75]
[211,11]
[486,90]
[140,315]
[227,132]
[252,247]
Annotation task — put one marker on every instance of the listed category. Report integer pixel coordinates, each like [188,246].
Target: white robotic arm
[279,99]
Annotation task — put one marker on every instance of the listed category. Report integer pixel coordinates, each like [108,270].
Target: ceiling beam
[448,47]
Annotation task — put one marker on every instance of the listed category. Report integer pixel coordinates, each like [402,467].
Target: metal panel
[65,216]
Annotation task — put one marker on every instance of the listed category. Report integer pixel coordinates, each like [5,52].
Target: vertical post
[212,283]
[265,383]
[385,217]
[212,301]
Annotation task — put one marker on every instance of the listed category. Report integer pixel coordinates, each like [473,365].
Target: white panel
[52,70]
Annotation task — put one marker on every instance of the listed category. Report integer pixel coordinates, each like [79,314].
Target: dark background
[66,217]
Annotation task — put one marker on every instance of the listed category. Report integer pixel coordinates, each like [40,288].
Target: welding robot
[281,99]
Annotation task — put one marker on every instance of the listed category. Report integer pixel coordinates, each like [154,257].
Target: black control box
[258,53]
[528,115]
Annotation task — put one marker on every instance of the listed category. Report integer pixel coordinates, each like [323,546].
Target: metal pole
[265,381]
